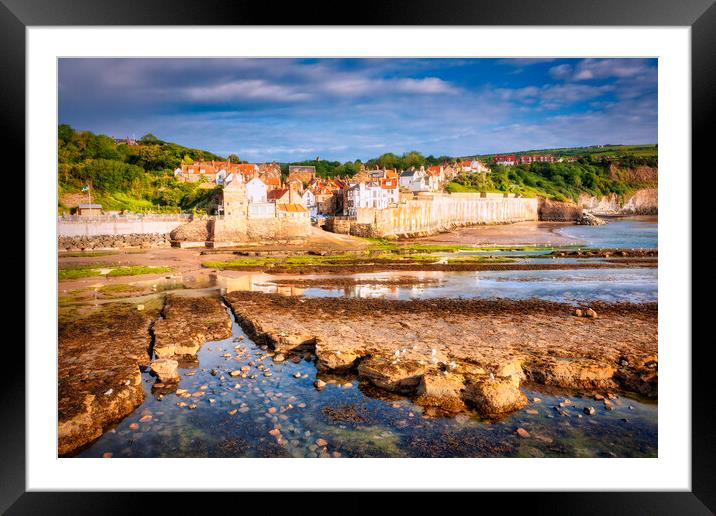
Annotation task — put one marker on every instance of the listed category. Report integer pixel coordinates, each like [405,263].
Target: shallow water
[627,232]
[635,285]
[356,421]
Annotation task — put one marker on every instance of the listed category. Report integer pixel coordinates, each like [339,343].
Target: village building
[294,184]
[417,180]
[374,194]
[88,210]
[291,210]
[308,199]
[272,169]
[478,167]
[256,191]
[271,181]
[302,173]
[234,200]
[501,159]
[546,158]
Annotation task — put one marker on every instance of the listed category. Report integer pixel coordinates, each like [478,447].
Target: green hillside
[559,181]
[127,177]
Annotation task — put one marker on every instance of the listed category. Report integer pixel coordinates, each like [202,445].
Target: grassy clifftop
[562,181]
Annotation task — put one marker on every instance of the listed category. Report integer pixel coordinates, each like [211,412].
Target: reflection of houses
[378,194]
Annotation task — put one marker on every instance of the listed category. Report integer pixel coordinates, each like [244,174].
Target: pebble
[591,313]
[319,384]
[590,411]
[279,358]
[522,433]
[134,426]
[235,373]
[578,313]
[214,372]
[532,412]
[233,411]
[347,385]
[297,375]
[272,410]
[321,442]
[144,419]
[107,455]
[301,405]
[536,400]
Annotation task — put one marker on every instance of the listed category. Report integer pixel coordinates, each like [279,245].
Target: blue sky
[347,109]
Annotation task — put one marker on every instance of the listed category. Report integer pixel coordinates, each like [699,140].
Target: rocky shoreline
[450,354]
[99,378]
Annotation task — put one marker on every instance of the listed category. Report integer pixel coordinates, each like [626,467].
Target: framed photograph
[441,249]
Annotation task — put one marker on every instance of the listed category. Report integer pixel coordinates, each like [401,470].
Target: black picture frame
[700,15]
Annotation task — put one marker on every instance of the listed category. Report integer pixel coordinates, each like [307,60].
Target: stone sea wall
[276,229]
[439,213]
[146,240]
[93,226]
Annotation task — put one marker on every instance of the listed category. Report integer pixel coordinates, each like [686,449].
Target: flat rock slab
[99,380]
[189,322]
[394,344]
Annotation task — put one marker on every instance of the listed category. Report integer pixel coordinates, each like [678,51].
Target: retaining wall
[93,226]
[442,213]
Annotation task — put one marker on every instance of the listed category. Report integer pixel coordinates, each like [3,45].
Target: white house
[478,166]
[308,199]
[374,194]
[415,180]
[256,190]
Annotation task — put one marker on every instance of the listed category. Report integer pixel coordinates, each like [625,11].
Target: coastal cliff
[644,201]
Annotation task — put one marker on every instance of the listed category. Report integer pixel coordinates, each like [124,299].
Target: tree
[149,138]
[64,132]
[187,160]
[233,158]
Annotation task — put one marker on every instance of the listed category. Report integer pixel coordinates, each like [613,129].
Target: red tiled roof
[276,194]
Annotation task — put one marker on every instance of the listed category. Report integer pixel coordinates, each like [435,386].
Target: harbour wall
[436,213]
[78,226]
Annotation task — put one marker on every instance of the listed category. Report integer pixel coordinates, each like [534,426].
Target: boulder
[392,375]
[587,219]
[494,397]
[441,390]
[166,370]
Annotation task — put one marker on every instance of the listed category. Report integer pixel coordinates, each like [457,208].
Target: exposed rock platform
[99,380]
[451,352]
[189,322]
